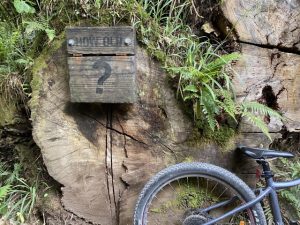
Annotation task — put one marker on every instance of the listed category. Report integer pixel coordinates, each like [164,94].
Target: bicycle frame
[270,191]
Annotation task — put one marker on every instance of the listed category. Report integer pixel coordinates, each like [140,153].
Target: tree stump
[103,154]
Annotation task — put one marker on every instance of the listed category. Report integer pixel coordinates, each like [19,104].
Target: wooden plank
[101,40]
[106,79]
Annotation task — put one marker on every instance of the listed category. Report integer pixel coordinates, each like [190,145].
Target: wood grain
[106,79]
[280,72]
[271,22]
[103,154]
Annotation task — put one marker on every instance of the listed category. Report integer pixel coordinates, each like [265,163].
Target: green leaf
[22,61]
[261,109]
[221,61]
[23,7]
[98,3]
[191,96]
[4,190]
[209,91]
[256,121]
[191,88]
[210,108]
[32,26]
[50,33]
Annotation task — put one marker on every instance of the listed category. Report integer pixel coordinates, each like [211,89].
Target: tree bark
[271,77]
[267,22]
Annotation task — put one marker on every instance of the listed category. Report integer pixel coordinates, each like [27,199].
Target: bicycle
[204,194]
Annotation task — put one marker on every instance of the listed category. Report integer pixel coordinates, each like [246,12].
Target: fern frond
[4,191]
[210,108]
[261,109]
[227,103]
[258,122]
[14,175]
[292,196]
[3,171]
[295,167]
[268,214]
[221,61]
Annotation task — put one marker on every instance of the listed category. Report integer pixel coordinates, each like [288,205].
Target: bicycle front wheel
[188,193]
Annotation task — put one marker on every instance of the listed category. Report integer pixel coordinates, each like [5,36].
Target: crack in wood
[110,127]
[106,161]
[280,91]
[125,141]
[113,129]
[54,122]
[65,155]
[259,132]
[266,46]
[129,136]
[159,141]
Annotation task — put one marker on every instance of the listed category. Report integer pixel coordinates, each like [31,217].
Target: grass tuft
[17,197]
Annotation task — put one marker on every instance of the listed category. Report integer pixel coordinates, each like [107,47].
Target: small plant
[193,197]
[17,197]
[291,195]
[204,82]
[19,40]
[202,68]
[32,25]
[201,81]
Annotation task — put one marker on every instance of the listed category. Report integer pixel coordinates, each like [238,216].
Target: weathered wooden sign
[102,64]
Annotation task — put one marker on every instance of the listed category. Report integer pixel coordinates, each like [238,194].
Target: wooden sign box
[102,64]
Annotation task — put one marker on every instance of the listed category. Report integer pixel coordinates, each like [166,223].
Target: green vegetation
[291,170]
[284,170]
[7,112]
[201,67]
[187,196]
[198,65]
[17,197]
[190,196]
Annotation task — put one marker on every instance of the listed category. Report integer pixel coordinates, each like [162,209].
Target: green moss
[188,159]
[191,196]
[223,136]
[158,54]
[188,196]
[40,64]
[8,111]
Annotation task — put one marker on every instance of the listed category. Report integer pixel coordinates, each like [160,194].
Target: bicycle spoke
[222,193]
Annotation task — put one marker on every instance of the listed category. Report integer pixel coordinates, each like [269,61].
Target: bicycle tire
[165,176]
